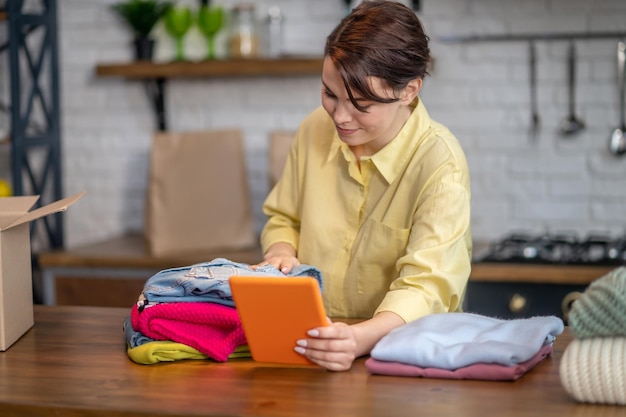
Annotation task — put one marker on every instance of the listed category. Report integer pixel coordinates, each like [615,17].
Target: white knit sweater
[593,370]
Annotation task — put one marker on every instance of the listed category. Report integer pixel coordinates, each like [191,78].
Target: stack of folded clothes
[593,368]
[465,346]
[189,313]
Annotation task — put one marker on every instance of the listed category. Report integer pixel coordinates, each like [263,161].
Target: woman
[374,193]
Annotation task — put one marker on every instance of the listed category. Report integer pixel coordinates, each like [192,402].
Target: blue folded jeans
[208,281]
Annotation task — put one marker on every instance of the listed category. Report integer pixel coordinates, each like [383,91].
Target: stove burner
[564,248]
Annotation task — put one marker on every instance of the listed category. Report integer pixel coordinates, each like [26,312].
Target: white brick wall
[480,90]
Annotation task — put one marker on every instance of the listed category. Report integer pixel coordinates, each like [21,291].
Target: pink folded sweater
[211,328]
[479,371]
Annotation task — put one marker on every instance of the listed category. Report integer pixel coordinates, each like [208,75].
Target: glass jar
[273,33]
[243,39]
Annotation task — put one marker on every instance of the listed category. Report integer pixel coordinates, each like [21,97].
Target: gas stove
[563,248]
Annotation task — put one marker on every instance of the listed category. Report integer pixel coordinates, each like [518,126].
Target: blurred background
[531,89]
[480,89]
[508,78]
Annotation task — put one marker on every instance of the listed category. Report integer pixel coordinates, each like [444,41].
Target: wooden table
[73,363]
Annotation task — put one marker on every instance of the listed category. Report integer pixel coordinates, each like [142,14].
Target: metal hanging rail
[533,37]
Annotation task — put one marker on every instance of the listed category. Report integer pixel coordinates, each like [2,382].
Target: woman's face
[366,132]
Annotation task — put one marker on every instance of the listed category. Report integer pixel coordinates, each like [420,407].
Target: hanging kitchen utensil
[572,124]
[617,143]
[534,112]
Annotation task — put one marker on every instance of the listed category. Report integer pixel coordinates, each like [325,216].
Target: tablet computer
[275,312]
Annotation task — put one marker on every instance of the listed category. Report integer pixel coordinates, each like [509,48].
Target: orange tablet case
[275,312]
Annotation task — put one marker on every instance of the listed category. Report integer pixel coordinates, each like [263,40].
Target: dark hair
[379,38]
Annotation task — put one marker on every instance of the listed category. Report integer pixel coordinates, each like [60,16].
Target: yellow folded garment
[168,351]
[594,370]
[242,351]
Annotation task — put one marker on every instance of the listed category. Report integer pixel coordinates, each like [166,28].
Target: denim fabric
[133,337]
[208,281]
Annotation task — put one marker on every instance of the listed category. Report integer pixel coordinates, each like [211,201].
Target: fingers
[332,360]
[337,330]
[283,264]
[332,347]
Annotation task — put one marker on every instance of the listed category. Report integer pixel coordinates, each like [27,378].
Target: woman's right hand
[281,256]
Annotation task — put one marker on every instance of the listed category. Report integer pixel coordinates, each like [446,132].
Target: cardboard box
[16,283]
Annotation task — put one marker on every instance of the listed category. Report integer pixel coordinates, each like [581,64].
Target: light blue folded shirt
[454,340]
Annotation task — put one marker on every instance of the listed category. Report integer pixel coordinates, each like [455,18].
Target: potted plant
[141,16]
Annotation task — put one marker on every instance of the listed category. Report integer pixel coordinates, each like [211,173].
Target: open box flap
[55,207]
[13,208]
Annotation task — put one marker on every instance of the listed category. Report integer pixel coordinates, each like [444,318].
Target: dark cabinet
[511,291]
[508,300]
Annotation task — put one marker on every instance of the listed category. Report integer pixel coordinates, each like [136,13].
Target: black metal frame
[34,71]
[533,37]
[155,88]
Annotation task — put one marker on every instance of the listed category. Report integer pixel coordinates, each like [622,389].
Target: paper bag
[198,195]
[280,143]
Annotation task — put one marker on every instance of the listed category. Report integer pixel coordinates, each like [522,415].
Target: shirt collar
[390,159]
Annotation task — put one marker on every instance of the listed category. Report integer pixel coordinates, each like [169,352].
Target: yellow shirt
[393,235]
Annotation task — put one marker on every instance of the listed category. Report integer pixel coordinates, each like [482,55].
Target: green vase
[178,21]
[210,21]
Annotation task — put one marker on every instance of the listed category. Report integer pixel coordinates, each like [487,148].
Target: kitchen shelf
[154,75]
[216,68]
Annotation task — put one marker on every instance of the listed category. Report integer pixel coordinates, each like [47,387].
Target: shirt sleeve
[434,271]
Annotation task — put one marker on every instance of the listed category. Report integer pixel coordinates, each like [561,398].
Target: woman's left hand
[333,347]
